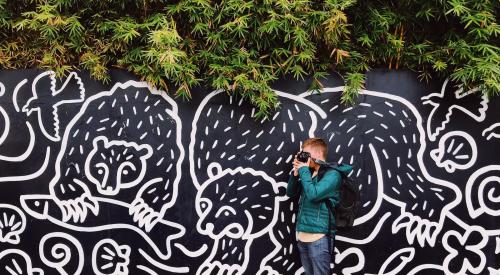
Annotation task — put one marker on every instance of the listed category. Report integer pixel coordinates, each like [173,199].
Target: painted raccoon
[123,143]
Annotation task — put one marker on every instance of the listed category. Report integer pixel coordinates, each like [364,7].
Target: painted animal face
[113,165]
[240,203]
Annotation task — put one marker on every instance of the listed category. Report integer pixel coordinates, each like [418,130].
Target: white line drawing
[157,264]
[424,202]
[17,262]
[113,114]
[492,132]
[290,131]
[147,270]
[49,119]
[33,175]
[62,247]
[482,182]
[12,223]
[6,123]
[494,271]
[497,248]
[402,256]
[27,152]
[4,116]
[16,91]
[221,207]
[456,150]
[108,154]
[93,147]
[368,239]
[109,258]
[476,248]
[443,116]
[160,239]
[339,257]
[419,268]
[192,254]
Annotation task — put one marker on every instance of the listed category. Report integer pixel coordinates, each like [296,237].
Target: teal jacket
[313,212]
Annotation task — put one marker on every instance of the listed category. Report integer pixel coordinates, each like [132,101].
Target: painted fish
[43,207]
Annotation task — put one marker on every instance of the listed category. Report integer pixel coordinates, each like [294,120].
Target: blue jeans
[316,256]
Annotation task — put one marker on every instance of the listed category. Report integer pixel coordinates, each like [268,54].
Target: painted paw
[423,230]
[143,214]
[267,270]
[78,208]
[219,269]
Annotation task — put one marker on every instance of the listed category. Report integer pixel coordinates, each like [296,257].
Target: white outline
[471,182]
[47,202]
[28,150]
[122,251]
[246,234]
[212,94]
[29,265]
[12,236]
[491,129]
[14,94]
[425,234]
[119,184]
[54,110]
[458,94]
[184,269]
[466,266]
[56,253]
[419,268]
[6,130]
[403,261]
[33,175]
[438,154]
[148,217]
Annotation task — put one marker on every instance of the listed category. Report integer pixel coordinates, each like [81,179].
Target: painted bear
[123,143]
[237,207]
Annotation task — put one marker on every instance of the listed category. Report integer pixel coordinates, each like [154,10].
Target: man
[314,243]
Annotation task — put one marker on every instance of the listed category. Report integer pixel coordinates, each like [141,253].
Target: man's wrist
[306,168]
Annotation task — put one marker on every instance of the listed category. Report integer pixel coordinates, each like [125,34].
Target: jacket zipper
[319,209]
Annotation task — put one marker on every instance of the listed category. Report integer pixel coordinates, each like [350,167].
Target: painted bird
[47,99]
[449,101]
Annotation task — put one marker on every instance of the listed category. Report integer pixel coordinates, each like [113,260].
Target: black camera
[303,156]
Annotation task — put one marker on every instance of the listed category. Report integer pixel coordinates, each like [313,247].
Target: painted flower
[109,258]
[12,223]
[17,262]
[465,255]
[456,150]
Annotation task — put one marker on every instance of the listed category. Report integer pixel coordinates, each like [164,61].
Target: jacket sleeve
[293,187]
[322,189]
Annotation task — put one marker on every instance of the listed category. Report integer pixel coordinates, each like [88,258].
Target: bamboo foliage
[242,46]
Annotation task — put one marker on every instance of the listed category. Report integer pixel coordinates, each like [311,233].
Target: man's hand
[297,164]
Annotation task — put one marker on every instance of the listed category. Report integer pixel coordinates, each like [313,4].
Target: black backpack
[350,199]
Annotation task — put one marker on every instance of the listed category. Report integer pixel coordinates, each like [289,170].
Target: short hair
[317,143]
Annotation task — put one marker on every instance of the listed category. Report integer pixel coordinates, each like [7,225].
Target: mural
[124,179]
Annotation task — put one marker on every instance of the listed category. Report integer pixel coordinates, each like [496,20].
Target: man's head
[317,147]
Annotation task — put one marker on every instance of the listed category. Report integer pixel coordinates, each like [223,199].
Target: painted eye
[100,171]
[125,172]
[226,211]
[203,205]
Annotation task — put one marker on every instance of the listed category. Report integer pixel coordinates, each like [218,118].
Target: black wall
[124,179]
